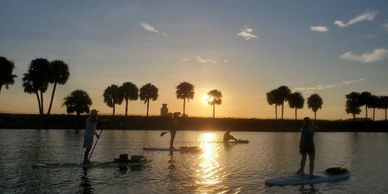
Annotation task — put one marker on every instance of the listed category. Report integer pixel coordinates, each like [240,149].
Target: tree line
[356,100]
[42,73]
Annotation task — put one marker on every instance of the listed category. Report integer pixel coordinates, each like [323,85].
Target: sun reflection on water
[209,164]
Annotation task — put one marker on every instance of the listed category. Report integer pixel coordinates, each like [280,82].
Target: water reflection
[85,182]
[304,190]
[209,164]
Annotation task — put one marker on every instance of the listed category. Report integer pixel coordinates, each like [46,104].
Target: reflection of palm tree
[215,97]
[185,90]
[78,101]
[353,104]
[36,80]
[314,102]
[295,100]
[6,68]
[281,96]
[365,100]
[129,92]
[59,73]
[271,99]
[148,92]
[384,104]
[112,96]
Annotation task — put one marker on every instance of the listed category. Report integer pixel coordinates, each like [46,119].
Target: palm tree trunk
[374,109]
[39,106]
[148,106]
[315,115]
[184,105]
[41,102]
[214,110]
[282,109]
[113,109]
[354,117]
[296,114]
[52,98]
[126,107]
[366,112]
[385,114]
[276,112]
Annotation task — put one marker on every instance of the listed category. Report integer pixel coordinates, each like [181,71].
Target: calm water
[219,169]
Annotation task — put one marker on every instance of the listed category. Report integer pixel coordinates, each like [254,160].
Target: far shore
[30,121]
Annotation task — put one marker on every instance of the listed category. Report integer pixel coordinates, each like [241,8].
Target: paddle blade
[162,134]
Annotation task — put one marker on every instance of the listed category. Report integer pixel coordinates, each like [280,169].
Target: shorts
[307,150]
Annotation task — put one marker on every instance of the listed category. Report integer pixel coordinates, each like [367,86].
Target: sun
[205,99]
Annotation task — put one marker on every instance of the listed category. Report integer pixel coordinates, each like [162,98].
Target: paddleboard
[90,165]
[306,180]
[181,149]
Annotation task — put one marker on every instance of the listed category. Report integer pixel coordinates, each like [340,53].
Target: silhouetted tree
[271,99]
[296,101]
[215,97]
[78,101]
[314,102]
[281,96]
[129,92]
[374,102]
[112,96]
[59,74]
[6,76]
[353,104]
[185,90]
[36,80]
[384,104]
[148,92]
[365,100]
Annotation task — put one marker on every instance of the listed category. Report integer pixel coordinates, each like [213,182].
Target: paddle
[163,133]
[95,144]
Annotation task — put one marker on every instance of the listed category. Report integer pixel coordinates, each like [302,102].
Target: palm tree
[374,102]
[384,104]
[6,68]
[185,90]
[129,92]
[78,101]
[112,96]
[353,104]
[271,99]
[314,102]
[59,74]
[296,100]
[36,80]
[281,96]
[148,92]
[365,100]
[215,97]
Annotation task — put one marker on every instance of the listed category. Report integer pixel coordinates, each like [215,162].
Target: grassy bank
[27,121]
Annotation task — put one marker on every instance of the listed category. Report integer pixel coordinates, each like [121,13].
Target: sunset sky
[242,48]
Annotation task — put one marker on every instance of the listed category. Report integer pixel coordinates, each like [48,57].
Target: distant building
[164,110]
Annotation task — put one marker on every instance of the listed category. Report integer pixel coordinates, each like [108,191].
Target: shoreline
[31,121]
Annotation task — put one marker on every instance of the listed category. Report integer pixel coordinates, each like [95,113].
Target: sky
[242,48]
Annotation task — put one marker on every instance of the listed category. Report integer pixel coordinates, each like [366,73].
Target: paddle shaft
[90,155]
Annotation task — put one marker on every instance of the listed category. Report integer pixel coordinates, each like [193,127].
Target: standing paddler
[90,131]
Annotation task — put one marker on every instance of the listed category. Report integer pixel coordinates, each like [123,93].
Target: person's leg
[86,155]
[312,159]
[302,164]
[172,140]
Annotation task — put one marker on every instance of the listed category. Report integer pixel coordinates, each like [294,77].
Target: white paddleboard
[90,165]
[306,180]
[181,149]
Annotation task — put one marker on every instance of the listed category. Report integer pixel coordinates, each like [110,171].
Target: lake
[220,168]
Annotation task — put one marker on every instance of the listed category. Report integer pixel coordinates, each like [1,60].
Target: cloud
[200,60]
[150,28]
[246,33]
[366,16]
[319,28]
[385,26]
[329,86]
[374,56]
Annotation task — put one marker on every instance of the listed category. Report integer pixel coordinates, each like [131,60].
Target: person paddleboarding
[228,136]
[90,132]
[306,145]
[172,130]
